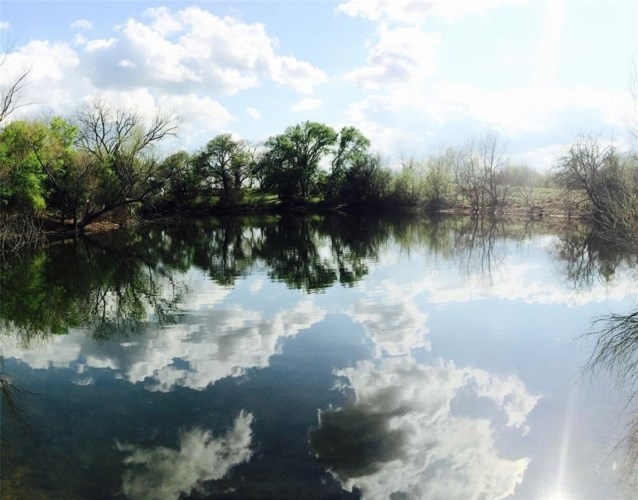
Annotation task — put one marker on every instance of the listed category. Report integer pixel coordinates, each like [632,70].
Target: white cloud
[198,114]
[163,21]
[395,326]
[79,39]
[82,24]
[402,56]
[168,473]
[194,49]
[161,60]
[253,113]
[125,63]
[300,75]
[422,448]
[45,61]
[307,104]
[416,11]
[213,343]
[4,25]
[530,108]
[397,119]
[99,44]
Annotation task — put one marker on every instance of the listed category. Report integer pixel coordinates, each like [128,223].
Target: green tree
[366,182]
[228,164]
[24,146]
[183,185]
[291,162]
[352,145]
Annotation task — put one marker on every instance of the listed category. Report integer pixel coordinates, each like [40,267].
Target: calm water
[337,357]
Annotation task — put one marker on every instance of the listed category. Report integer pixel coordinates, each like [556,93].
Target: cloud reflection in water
[162,472]
[401,437]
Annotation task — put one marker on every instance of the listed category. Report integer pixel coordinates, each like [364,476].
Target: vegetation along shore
[103,167]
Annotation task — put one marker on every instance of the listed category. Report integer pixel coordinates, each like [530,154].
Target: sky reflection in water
[314,357]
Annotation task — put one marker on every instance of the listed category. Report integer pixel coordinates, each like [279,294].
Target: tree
[351,146]
[24,147]
[117,150]
[10,93]
[366,182]
[438,180]
[609,181]
[227,163]
[290,164]
[183,185]
[478,175]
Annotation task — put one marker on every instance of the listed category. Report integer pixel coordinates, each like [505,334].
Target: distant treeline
[104,162]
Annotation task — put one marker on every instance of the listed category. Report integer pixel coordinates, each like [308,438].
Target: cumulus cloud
[232,341]
[82,24]
[395,326]
[416,11]
[196,114]
[46,61]
[212,343]
[193,48]
[405,441]
[307,104]
[403,55]
[170,473]
[183,59]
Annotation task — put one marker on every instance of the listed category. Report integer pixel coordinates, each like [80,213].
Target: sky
[415,76]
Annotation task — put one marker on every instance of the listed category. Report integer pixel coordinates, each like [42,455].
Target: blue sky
[415,76]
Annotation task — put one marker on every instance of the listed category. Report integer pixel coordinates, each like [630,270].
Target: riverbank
[536,203]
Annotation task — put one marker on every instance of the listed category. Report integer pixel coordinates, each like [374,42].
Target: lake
[321,357]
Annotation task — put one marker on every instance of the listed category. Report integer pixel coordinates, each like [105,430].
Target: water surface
[318,357]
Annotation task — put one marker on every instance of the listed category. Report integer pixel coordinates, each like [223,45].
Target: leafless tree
[119,148]
[478,170]
[11,92]
[609,181]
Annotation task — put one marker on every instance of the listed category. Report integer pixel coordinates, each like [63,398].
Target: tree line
[106,160]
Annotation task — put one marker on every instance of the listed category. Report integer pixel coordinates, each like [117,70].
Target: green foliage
[352,146]
[225,164]
[366,182]
[291,161]
[21,178]
[409,183]
[425,184]
[183,184]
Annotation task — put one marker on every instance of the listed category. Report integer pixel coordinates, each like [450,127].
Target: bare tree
[478,174]
[609,182]
[118,150]
[11,92]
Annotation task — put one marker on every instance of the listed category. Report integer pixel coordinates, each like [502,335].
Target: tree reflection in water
[125,284]
[615,354]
